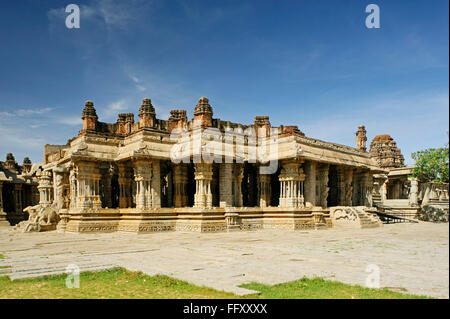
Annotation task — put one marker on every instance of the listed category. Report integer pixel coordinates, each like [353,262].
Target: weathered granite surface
[413,258]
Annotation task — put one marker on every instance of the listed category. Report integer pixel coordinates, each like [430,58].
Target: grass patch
[319,288]
[2,256]
[121,283]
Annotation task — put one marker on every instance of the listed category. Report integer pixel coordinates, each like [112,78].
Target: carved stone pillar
[125,179]
[45,188]
[88,180]
[60,182]
[322,172]
[18,197]
[238,175]
[310,183]
[73,188]
[203,177]
[180,182]
[292,185]
[366,189]
[413,192]
[143,179]
[156,184]
[345,191]
[226,184]
[264,190]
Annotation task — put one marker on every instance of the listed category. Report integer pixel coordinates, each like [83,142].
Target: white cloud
[70,120]
[26,112]
[109,113]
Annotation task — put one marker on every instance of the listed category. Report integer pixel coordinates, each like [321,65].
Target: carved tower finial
[203,113]
[147,114]
[361,138]
[89,116]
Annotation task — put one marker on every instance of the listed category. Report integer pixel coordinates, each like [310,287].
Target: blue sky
[308,63]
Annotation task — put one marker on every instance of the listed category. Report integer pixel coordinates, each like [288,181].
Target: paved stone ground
[413,258]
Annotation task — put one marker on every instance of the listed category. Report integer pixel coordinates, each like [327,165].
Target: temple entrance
[215,186]
[333,198]
[275,188]
[8,198]
[249,186]
[166,184]
[115,191]
[191,187]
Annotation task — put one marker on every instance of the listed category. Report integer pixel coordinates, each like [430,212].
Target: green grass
[121,283]
[2,256]
[319,288]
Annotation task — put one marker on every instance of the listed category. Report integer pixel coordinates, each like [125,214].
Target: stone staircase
[354,217]
[32,267]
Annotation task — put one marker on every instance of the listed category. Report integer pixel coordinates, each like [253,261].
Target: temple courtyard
[412,258]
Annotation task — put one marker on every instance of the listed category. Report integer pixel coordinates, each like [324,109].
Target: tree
[432,164]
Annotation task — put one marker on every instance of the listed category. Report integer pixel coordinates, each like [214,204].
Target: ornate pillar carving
[88,185]
[323,184]
[345,191]
[226,184]
[264,190]
[238,175]
[45,188]
[73,188]
[18,197]
[60,188]
[292,185]
[156,184]
[366,189]
[413,192]
[203,177]
[143,178]
[310,183]
[125,179]
[180,182]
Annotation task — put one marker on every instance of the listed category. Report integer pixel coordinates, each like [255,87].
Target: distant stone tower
[361,138]
[26,165]
[203,113]
[89,116]
[147,114]
[384,150]
[10,162]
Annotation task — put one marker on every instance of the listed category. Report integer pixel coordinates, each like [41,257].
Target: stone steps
[354,217]
[22,268]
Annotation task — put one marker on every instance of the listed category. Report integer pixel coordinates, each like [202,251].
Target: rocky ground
[412,258]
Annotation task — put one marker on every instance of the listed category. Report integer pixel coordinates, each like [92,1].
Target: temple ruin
[397,192]
[18,189]
[204,175]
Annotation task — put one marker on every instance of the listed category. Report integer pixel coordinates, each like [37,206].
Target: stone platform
[214,219]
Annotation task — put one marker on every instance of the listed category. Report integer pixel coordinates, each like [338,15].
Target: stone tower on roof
[147,114]
[384,150]
[203,113]
[361,138]
[89,116]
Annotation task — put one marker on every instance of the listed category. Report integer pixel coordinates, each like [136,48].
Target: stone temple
[205,174]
